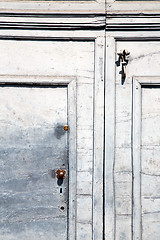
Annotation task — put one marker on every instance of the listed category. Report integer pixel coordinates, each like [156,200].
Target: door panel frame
[71,85]
[138,82]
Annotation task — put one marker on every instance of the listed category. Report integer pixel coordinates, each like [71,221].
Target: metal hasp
[123,59]
[61,174]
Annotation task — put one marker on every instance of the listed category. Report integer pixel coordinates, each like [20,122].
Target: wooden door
[33,145]
[137,163]
[67,68]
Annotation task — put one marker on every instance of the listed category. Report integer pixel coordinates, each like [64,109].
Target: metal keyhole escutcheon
[61,174]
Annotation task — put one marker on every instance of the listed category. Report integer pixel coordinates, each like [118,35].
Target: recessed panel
[33,145]
[150,163]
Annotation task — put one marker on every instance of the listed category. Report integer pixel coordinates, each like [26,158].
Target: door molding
[52,22]
[130,7]
[53,7]
[70,82]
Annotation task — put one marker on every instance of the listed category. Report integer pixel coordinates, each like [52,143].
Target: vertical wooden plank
[98,139]
[72,113]
[109,139]
[136,143]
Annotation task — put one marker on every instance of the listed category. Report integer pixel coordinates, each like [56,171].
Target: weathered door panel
[150,163]
[146,164]
[33,145]
[58,59]
[136,171]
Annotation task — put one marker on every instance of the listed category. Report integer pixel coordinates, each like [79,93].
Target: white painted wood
[124,154]
[53,22]
[84,231]
[36,79]
[150,177]
[33,146]
[84,153]
[56,64]
[130,7]
[136,143]
[64,54]
[85,185]
[145,181]
[84,211]
[79,56]
[123,232]
[123,196]
[98,140]
[143,61]
[52,81]
[109,140]
[56,7]
[83,35]
[72,122]
[134,22]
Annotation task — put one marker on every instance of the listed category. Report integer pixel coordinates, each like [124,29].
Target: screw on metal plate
[66,128]
[123,54]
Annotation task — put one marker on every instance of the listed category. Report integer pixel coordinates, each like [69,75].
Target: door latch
[61,174]
[123,54]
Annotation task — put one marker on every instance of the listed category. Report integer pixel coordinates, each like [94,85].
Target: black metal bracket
[123,54]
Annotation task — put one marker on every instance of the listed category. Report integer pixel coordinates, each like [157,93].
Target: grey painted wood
[33,146]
